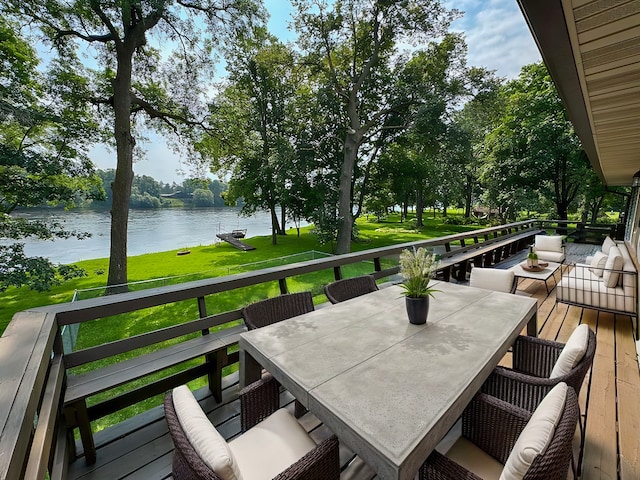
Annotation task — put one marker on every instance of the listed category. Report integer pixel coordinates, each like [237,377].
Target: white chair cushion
[271,446]
[203,436]
[492,279]
[607,244]
[551,243]
[598,262]
[537,434]
[466,454]
[615,261]
[572,352]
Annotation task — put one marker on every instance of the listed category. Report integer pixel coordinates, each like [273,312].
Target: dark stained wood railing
[34,367]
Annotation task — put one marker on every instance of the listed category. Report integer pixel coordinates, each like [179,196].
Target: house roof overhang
[592,51]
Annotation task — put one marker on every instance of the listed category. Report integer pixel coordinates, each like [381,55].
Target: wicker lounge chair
[276,309]
[495,435]
[342,290]
[248,454]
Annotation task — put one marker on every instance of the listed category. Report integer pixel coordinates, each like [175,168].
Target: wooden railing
[34,439]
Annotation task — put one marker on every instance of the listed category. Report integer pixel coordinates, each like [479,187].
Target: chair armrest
[323,462]
[520,389]
[258,401]
[535,356]
[439,467]
[493,425]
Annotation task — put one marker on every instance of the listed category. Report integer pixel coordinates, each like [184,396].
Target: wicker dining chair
[533,362]
[495,435]
[347,288]
[276,309]
[279,438]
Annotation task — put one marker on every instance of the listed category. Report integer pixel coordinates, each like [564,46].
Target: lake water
[149,231]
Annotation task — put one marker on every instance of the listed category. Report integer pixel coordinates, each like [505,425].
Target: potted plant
[532,258]
[417,267]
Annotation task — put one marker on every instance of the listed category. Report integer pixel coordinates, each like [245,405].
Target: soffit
[592,50]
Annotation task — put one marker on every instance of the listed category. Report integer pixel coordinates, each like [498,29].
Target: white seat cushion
[466,454]
[492,279]
[271,446]
[537,434]
[203,436]
[572,352]
[550,243]
[615,261]
[598,262]
[607,244]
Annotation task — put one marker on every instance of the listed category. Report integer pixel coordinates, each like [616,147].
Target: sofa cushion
[607,244]
[492,279]
[550,243]
[598,262]
[203,436]
[615,261]
[572,352]
[271,446]
[537,434]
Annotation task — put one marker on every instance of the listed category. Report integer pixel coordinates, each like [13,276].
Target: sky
[497,38]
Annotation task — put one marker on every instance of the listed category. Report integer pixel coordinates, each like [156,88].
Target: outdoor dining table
[390,390]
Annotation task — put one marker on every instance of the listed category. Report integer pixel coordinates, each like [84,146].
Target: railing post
[377,265]
[283,286]
[202,311]
[337,273]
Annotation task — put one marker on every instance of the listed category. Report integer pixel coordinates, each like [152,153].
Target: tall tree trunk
[275,226]
[468,197]
[121,186]
[419,207]
[283,219]
[344,194]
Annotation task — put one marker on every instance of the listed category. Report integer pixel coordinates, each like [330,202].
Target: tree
[263,82]
[535,147]
[203,197]
[352,45]
[40,161]
[134,83]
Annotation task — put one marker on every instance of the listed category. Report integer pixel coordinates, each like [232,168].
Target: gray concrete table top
[388,389]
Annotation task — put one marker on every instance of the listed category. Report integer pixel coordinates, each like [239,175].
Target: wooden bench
[213,347]
[484,254]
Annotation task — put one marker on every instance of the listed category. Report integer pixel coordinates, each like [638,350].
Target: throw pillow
[537,434]
[598,262]
[615,262]
[210,446]
[572,352]
[607,244]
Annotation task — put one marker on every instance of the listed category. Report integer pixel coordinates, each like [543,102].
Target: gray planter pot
[417,309]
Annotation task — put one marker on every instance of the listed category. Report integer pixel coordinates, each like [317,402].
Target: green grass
[205,262]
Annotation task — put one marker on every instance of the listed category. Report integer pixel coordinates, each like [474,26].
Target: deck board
[140,448]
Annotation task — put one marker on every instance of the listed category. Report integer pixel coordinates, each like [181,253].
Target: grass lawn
[206,262]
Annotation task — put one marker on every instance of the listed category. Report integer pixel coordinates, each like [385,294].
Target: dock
[232,239]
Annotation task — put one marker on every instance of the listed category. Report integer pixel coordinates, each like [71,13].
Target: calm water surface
[149,231]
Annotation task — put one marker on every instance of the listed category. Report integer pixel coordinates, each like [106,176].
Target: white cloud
[497,35]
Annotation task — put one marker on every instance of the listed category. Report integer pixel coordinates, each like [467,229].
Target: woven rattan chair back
[554,463]
[187,464]
[342,290]
[276,309]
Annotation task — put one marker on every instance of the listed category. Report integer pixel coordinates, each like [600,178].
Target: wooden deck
[140,448]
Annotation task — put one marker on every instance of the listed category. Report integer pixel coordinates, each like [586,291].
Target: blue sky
[497,38]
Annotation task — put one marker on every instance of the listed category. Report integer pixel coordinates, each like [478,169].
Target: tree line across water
[348,120]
